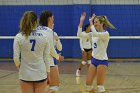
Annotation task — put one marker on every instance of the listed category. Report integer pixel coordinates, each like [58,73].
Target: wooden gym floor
[122,77]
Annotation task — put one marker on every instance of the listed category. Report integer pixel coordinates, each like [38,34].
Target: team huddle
[36,58]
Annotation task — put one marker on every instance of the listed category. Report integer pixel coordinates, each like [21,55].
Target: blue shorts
[55,61]
[97,62]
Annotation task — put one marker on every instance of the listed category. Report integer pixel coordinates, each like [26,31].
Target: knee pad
[84,63]
[100,88]
[54,88]
[89,61]
[89,87]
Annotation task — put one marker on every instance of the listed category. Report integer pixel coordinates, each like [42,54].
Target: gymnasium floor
[122,77]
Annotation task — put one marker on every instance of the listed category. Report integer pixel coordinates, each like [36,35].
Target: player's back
[32,47]
[33,55]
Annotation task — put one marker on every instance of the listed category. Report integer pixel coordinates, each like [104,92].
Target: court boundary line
[10,73]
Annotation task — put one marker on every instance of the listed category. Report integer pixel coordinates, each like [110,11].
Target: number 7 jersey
[33,52]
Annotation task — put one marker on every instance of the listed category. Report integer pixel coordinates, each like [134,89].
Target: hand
[18,66]
[83,16]
[61,58]
[92,18]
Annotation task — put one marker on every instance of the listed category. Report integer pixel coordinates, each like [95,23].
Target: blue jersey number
[33,44]
[95,45]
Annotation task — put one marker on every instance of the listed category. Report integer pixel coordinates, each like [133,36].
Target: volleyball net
[71,46]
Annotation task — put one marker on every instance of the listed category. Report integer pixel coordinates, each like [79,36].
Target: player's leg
[26,87]
[101,72]
[40,87]
[84,59]
[90,77]
[89,57]
[54,79]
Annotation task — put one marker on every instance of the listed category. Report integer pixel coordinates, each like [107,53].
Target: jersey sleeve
[83,35]
[16,50]
[53,52]
[58,42]
[102,35]
[59,45]
[81,45]
[47,57]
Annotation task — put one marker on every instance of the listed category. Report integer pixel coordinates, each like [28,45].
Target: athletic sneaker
[77,72]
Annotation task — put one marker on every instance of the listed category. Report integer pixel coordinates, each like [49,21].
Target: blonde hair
[28,22]
[106,22]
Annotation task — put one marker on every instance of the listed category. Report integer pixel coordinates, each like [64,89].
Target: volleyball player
[86,48]
[46,24]
[100,39]
[31,55]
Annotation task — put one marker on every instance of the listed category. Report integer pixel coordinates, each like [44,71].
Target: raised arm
[79,32]
[102,35]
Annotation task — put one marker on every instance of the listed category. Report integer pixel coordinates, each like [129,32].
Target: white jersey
[34,52]
[99,42]
[50,33]
[85,43]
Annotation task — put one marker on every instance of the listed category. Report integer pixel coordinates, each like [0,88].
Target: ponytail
[28,22]
[106,22]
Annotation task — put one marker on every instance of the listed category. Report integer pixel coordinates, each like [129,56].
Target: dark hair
[86,26]
[43,21]
[28,22]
